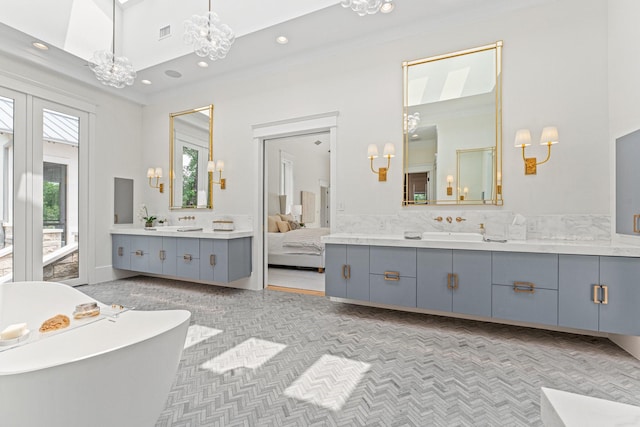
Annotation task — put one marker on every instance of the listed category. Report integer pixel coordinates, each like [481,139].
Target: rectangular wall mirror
[123,201]
[191,147]
[453,128]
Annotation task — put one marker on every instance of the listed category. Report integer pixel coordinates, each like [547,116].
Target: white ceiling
[75,28]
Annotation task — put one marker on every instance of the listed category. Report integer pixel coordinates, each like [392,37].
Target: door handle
[187,257]
[120,251]
[212,259]
[527,287]
[596,297]
[605,297]
[449,277]
[636,229]
[346,271]
[139,253]
[163,255]
[393,276]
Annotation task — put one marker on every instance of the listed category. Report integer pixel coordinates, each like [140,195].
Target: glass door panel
[7,114]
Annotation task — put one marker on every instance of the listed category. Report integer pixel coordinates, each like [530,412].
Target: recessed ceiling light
[282,40]
[203,64]
[387,6]
[173,73]
[40,45]
[145,82]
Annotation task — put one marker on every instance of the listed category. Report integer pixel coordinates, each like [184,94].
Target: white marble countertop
[207,234]
[603,248]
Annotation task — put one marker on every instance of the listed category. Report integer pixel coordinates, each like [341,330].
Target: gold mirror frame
[451,195]
[173,176]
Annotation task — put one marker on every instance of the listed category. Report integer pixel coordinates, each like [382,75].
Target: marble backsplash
[498,225]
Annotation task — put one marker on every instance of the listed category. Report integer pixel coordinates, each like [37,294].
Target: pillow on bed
[283,226]
[287,217]
[294,225]
[272,226]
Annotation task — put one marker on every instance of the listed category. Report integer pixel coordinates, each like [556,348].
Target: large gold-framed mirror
[453,128]
[190,150]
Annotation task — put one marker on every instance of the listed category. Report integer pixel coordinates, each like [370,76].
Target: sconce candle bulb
[213,166]
[388,151]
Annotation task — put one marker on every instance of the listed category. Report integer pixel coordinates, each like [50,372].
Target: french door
[43,194]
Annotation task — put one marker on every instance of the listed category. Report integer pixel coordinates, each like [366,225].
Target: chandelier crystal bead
[112,70]
[209,37]
[368,7]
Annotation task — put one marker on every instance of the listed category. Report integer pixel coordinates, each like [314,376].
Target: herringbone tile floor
[321,363]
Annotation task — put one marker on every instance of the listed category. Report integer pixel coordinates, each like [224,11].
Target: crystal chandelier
[368,7]
[208,36]
[112,70]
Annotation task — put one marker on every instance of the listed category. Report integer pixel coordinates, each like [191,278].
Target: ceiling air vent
[165,32]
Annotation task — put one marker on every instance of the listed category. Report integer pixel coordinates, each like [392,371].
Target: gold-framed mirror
[453,128]
[190,150]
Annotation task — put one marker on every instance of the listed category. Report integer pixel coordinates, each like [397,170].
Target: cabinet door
[121,251]
[627,179]
[239,258]
[140,253]
[434,267]
[169,263]
[577,275]
[220,260]
[472,294]
[347,271]
[188,254]
[155,255]
[358,270]
[620,315]
[335,261]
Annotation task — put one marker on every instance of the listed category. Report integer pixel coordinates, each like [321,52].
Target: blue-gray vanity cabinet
[599,293]
[454,280]
[121,251]
[627,178]
[392,278]
[525,287]
[347,271]
[162,259]
[225,260]
[188,258]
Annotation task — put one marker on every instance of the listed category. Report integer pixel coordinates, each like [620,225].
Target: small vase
[148,224]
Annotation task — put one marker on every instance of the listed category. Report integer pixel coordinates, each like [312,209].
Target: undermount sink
[452,236]
[178,228]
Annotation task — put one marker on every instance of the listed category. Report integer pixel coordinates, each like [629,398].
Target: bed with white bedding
[298,248]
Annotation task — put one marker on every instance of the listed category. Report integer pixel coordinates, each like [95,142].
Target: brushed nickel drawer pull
[596,297]
[139,253]
[120,251]
[392,275]
[187,257]
[212,259]
[163,255]
[605,299]
[529,287]
[636,229]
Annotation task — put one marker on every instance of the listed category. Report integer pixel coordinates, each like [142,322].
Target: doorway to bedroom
[297,188]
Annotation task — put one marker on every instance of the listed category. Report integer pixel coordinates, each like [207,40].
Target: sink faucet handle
[449,219]
[460,219]
[439,219]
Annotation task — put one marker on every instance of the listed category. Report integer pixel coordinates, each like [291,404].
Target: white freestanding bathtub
[106,372]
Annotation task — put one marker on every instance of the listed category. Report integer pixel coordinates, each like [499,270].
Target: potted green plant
[144,216]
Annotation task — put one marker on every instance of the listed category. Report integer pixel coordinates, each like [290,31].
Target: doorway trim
[327,122]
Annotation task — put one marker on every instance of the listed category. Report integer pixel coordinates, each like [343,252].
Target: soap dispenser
[483,231]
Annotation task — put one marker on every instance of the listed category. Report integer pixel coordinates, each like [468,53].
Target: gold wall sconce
[389,151]
[465,193]
[523,139]
[212,167]
[157,174]
[449,185]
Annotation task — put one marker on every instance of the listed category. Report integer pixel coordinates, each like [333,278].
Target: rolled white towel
[13,331]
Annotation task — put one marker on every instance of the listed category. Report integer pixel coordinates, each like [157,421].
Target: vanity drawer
[188,258]
[539,306]
[392,289]
[188,246]
[539,269]
[391,259]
